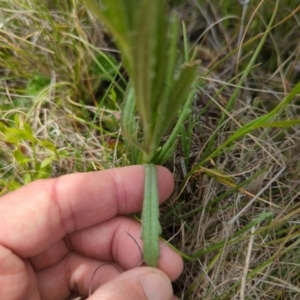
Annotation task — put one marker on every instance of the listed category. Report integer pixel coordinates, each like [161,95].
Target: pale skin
[54,233]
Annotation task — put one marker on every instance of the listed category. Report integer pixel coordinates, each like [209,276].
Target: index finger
[39,214]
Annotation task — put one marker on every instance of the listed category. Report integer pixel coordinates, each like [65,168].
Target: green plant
[235,220]
[159,90]
[21,138]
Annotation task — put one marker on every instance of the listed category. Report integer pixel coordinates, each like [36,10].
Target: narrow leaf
[128,123]
[151,226]
[168,147]
[180,91]
[144,61]
[114,14]
[166,60]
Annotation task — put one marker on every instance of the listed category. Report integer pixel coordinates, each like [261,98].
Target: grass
[234,215]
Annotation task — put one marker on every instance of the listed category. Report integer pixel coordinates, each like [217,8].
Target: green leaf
[15,135]
[117,15]
[128,123]
[147,39]
[182,88]
[165,58]
[180,92]
[19,156]
[29,132]
[47,161]
[169,147]
[27,178]
[48,145]
[151,226]
[144,62]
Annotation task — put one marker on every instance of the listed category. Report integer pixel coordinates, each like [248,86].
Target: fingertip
[165,182]
[157,285]
[142,283]
[171,263]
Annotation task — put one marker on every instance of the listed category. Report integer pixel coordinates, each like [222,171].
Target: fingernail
[157,286]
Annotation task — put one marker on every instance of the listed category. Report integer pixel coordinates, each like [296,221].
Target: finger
[17,279]
[119,240]
[50,256]
[81,274]
[74,273]
[43,212]
[141,283]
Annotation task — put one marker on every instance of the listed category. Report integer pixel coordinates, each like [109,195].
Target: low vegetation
[234,214]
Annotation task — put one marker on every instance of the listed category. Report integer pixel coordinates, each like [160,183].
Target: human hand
[54,233]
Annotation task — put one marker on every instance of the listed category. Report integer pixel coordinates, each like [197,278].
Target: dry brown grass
[239,227]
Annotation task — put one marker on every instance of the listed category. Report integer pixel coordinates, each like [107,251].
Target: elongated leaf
[165,62]
[181,89]
[168,147]
[179,94]
[128,110]
[282,123]
[144,61]
[164,81]
[147,40]
[118,17]
[151,226]
[129,126]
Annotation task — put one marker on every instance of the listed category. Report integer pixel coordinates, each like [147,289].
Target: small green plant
[25,145]
[235,220]
[159,90]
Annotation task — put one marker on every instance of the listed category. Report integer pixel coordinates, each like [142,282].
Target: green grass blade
[151,228]
[185,43]
[237,234]
[242,79]
[263,121]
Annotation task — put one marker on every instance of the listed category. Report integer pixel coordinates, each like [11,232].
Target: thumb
[143,283]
